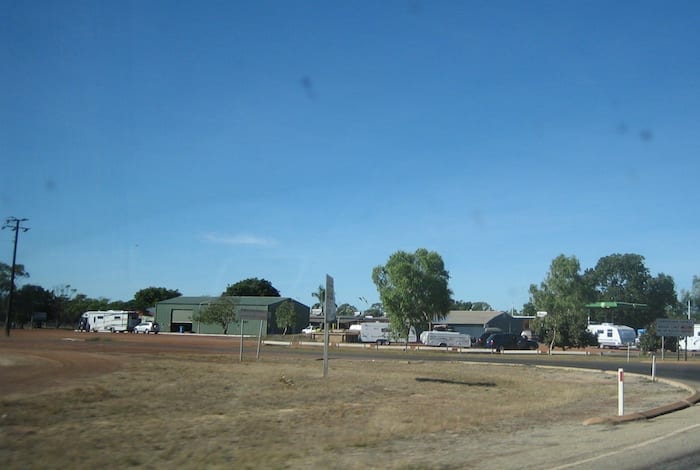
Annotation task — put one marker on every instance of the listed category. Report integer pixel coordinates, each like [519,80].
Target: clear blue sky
[194,144]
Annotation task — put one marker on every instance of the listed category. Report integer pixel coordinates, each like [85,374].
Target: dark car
[502,341]
[480,342]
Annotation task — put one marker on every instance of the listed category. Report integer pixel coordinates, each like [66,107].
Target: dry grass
[210,412]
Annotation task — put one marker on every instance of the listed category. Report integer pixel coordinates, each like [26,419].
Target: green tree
[220,312]
[649,341]
[251,287]
[375,310]
[120,305]
[346,310]
[62,296]
[148,297]
[475,306]
[620,277]
[6,274]
[481,306]
[461,305]
[413,288]
[529,309]
[30,299]
[692,296]
[562,295]
[660,298]
[5,279]
[286,316]
[625,278]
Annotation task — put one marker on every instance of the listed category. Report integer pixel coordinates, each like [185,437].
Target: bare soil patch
[85,401]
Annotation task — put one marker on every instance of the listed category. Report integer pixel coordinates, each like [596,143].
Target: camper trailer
[613,336]
[380,333]
[445,338]
[114,321]
[693,341]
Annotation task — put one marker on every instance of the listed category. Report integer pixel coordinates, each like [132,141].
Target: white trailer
[693,341]
[446,338]
[114,321]
[380,333]
[613,336]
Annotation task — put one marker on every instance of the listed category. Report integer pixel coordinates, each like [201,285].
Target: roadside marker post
[620,392]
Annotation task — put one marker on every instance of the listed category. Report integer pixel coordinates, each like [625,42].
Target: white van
[613,336]
[445,338]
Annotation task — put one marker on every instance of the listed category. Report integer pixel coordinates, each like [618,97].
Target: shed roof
[250,301]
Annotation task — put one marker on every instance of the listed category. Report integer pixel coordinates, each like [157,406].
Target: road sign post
[328,316]
[261,316]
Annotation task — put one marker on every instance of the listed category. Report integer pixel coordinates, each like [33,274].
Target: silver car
[147,327]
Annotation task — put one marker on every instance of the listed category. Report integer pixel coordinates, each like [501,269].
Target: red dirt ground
[33,360]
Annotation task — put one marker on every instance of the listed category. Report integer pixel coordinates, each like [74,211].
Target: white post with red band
[620,392]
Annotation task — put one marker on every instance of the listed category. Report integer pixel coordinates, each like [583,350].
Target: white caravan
[445,338]
[114,321]
[613,336]
[380,333]
[693,341]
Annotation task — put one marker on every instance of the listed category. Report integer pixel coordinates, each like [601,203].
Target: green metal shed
[176,315]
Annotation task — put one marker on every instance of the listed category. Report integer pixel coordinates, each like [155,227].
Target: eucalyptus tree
[221,312]
[286,316]
[562,295]
[413,288]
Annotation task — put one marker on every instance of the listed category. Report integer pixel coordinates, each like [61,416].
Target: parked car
[480,342]
[310,330]
[502,341]
[147,327]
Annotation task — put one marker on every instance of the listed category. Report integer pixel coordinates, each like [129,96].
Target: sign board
[541,314]
[329,307]
[673,327]
[253,315]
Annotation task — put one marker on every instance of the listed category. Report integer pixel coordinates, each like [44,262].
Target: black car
[502,341]
[480,342]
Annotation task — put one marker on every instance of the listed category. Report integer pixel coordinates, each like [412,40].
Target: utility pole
[686,338]
[13,223]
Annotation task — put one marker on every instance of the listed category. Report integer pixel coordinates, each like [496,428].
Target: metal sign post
[261,316]
[328,316]
[240,354]
[257,354]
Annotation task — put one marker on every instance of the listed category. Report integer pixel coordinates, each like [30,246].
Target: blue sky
[194,144]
